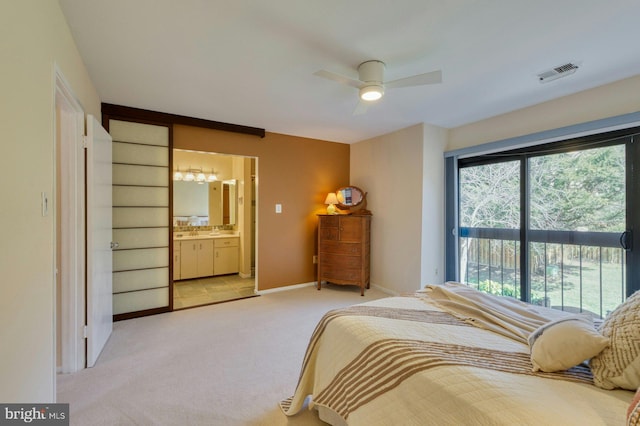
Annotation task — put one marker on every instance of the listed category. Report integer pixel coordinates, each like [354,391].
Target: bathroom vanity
[196,256]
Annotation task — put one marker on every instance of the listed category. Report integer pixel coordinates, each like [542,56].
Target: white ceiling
[251,62]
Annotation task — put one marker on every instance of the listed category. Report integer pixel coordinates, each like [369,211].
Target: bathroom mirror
[223,202]
[349,196]
[215,203]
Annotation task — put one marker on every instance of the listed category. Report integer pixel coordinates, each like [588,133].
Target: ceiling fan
[372,85]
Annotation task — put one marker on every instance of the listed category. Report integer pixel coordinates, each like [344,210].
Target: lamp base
[331,209]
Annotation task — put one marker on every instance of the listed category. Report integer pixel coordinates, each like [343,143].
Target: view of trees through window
[570,196]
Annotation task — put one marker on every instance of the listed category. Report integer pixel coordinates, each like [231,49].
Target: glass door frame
[630,137]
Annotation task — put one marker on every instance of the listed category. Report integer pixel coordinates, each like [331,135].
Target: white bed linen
[452,394]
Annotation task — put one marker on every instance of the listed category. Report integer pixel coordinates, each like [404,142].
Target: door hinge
[85,141]
[84,331]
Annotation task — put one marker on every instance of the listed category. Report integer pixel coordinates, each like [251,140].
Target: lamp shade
[331,198]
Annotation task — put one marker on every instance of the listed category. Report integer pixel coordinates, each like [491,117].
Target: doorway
[82,253]
[69,220]
[214,228]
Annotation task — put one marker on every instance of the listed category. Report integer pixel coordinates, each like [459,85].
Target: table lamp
[331,200]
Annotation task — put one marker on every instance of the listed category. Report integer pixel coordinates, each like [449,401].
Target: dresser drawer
[330,273]
[326,234]
[225,242]
[338,261]
[336,247]
[330,221]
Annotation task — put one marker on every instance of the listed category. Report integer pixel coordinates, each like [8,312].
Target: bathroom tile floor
[206,291]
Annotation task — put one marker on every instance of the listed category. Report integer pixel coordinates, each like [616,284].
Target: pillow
[565,343]
[633,413]
[618,366]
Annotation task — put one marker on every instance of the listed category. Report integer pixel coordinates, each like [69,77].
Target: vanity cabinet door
[226,256]
[188,259]
[205,258]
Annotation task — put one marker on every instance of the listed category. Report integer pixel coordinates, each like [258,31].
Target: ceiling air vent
[557,72]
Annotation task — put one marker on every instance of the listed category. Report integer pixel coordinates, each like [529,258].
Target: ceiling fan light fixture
[371,92]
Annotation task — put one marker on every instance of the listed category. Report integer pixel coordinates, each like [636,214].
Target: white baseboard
[385,290]
[286,288]
[314,283]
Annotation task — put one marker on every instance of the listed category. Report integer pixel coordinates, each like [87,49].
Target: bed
[431,359]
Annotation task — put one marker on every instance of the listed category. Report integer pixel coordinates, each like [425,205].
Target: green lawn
[565,283]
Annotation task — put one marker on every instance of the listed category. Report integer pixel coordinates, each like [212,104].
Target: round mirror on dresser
[353,199]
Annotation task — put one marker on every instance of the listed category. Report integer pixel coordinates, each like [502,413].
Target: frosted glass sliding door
[141,181]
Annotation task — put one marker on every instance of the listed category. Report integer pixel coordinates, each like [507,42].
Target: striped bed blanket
[404,360]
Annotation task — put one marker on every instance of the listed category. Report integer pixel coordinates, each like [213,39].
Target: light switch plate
[44,202]
[278,208]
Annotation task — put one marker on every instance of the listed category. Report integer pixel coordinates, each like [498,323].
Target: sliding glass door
[550,224]
[490,227]
[577,217]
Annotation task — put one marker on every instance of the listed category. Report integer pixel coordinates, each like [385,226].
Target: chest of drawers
[343,250]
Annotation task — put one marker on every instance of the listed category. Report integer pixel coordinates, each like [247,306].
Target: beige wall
[433,214]
[397,171]
[295,172]
[601,102]
[34,36]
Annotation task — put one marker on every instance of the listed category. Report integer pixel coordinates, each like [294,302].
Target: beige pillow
[565,343]
[618,366]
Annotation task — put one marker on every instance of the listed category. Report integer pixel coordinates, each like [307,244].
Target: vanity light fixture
[189,177]
[194,175]
[331,200]
[178,175]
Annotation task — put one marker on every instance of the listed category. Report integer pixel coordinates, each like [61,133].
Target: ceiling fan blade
[432,77]
[361,108]
[339,78]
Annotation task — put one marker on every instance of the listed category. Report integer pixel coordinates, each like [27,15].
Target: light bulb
[371,93]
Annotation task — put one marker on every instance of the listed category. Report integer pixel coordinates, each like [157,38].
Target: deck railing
[573,277]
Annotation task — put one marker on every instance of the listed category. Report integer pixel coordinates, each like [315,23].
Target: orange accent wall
[293,171]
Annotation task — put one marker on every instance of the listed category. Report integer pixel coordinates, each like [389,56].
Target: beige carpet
[224,364]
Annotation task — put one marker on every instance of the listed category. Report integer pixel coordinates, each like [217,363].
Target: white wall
[34,36]
[399,170]
[610,100]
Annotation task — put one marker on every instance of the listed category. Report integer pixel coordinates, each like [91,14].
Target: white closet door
[99,239]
